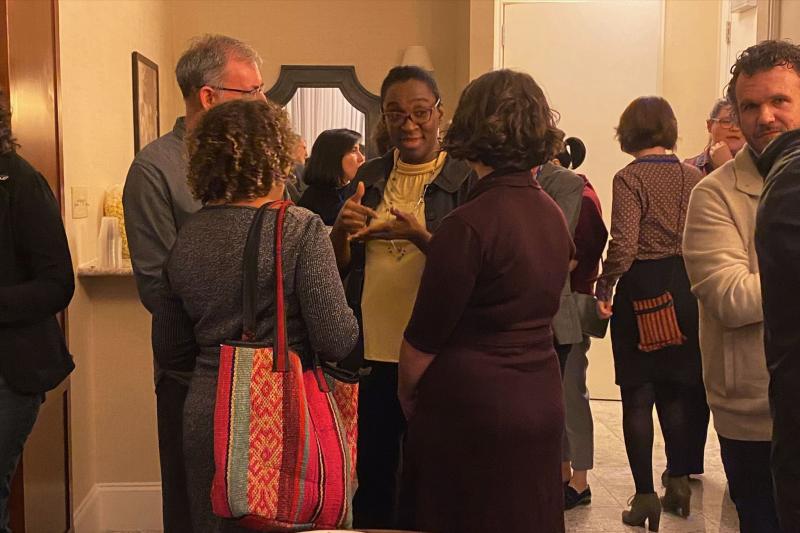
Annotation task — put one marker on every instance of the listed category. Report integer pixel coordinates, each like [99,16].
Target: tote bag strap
[280,349]
[250,284]
[250,275]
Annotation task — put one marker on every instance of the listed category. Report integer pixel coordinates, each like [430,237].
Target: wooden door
[29,71]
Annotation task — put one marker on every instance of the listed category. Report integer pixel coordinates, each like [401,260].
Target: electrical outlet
[80,202]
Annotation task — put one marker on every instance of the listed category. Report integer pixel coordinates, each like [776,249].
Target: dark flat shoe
[573,498]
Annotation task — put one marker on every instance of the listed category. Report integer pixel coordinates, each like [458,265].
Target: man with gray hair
[157,202]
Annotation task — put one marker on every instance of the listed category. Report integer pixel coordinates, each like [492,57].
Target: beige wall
[790,20]
[481,37]
[691,64]
[370,35]
[113,423]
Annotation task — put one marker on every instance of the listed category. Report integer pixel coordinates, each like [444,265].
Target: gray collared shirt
[157,202]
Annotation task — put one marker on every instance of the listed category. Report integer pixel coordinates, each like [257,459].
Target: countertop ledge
[92,269]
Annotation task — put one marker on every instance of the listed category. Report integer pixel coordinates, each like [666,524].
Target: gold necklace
[395,249]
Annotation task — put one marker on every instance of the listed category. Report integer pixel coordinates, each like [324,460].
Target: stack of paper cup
[109,243]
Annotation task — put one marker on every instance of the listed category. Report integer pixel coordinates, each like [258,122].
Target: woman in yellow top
[380,238]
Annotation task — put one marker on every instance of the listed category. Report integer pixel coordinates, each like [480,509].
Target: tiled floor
[612,484]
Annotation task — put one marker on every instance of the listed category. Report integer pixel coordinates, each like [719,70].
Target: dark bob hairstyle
[504,121]
[324,168]
[238,150]
[573,153]
[647,122]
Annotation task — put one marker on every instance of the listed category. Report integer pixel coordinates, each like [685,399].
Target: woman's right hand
[720,154]
[353,217]
[604,309]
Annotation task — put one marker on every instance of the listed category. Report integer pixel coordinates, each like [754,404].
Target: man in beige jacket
[720,256]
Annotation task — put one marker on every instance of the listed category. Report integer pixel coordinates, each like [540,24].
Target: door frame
[768,23]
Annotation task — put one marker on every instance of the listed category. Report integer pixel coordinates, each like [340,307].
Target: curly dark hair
[760,57]
[504,121]
[7,141]
[237,151]
[647,122]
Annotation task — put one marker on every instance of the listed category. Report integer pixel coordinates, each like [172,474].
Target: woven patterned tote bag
[284,436]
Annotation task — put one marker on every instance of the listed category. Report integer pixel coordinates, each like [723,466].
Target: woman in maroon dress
[479,379]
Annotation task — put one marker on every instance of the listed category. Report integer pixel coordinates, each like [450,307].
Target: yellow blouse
[394,268]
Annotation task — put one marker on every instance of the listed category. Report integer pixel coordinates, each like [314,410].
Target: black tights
[637,425]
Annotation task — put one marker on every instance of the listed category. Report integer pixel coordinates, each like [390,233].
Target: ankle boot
[643,507]
[677,498]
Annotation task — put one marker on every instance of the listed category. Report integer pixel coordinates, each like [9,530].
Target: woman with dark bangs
[479,377]
[335,158]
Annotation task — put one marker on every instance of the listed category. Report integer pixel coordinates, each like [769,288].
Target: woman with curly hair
[479,377]
[236,156]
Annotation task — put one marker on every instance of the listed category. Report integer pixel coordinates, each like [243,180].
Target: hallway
[612,484]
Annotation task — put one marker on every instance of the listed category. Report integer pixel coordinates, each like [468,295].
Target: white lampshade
[417,55]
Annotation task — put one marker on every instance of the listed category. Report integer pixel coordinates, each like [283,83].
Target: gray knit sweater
[204,273]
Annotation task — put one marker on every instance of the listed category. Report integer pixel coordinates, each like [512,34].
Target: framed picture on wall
[145,101]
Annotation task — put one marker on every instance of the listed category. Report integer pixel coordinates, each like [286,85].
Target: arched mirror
[318,98]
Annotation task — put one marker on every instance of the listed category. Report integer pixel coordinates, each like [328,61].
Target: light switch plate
[80,202]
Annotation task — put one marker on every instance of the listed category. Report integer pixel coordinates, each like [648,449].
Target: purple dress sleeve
[453,263]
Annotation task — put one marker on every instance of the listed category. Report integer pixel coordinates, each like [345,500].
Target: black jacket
[445,193]
[778,248]
[324,201]
[36,280]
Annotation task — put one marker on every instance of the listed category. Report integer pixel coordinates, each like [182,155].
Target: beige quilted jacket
[720,255]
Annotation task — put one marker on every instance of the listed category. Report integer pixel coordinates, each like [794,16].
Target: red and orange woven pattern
[284,450]
[657,323]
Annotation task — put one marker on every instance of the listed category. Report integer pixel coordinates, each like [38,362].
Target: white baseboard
[120,507]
